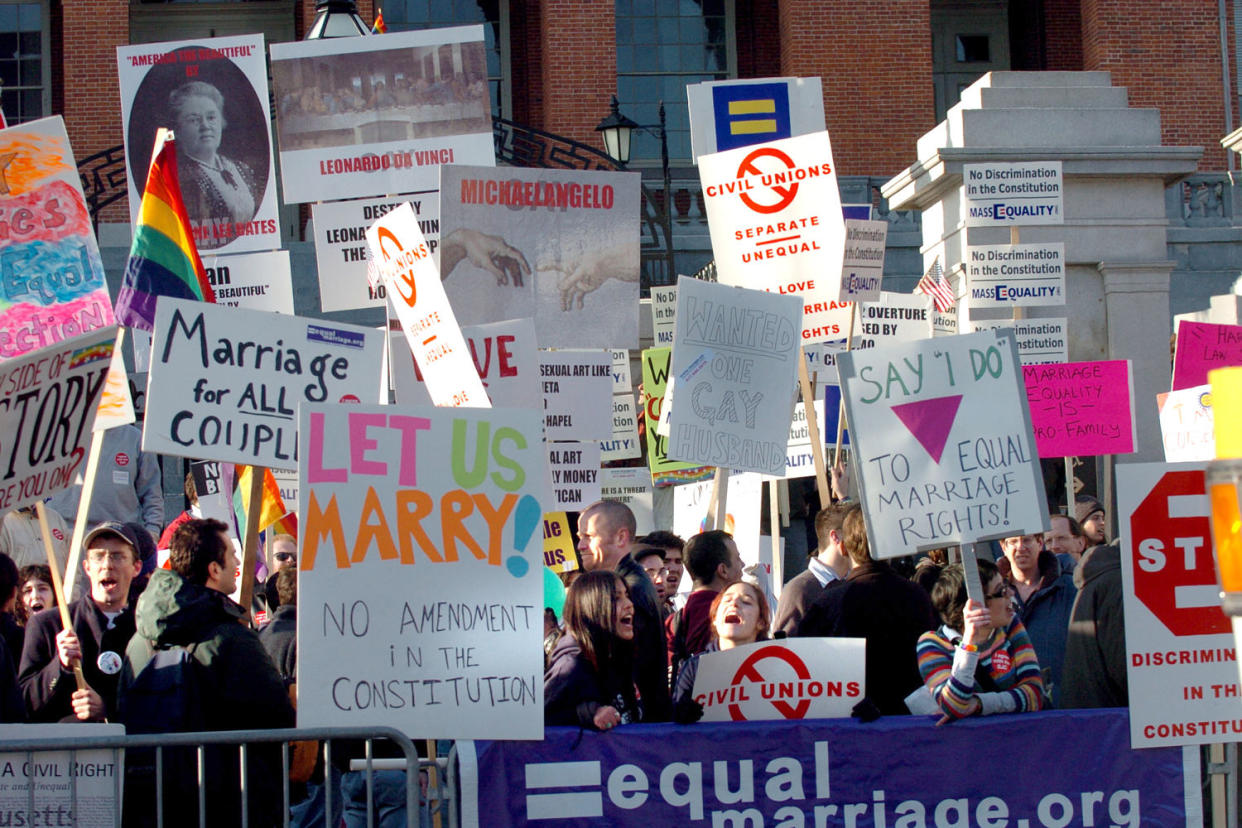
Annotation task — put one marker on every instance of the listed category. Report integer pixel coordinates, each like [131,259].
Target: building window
[24,90]
[403,15]
[663,45]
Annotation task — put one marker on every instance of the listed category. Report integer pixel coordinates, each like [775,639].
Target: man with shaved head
[606,531]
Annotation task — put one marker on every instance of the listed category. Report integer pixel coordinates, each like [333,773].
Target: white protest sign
[213,93]
[561,246]
[1015,275]
[49,399]
[412,280]
[1040,341]
[254,281]
[574,467]
[737,113]
[1017,193]
[735,359]
[225,383]
[631,486]
[942,433]
[892,318]
[795,678]
[287,481]
[863,268]
[577,394]
[663,314]
[1186,424]
[799,461]
[1180,650]
[774,212]
[76,787]
[504,357]
[946,324]
[624,443]
[621,380]
[690,512]
[340,229]
[420,570]
[359,116]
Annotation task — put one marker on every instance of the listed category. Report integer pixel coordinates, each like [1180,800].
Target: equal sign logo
[750,113]
[567,804]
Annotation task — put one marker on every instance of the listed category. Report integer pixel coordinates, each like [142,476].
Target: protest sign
[340,230]
[361,116]
[212,92]
[799,461]
[624,442]
[52,285]
[663,314]
[631,486]
[729,114]
[774,212]
[897,772]
[504,356]
[795,678]
[225,383]
[577,394]
[1081,409]
[944,444]
[574,467]
[403,259]
[664,472]
[1202,346]
[621,381]
[863,267]
[1013,193]
[735,356]
[1015,275]
[215,496]
[79,787]
[1040,341]
[254,281]
[832,415]
[558,543]
[1180,651]
[1227,402]
[561,246]
[1186,424]
[691,502]
[946,324]
[48,402]
[116,403]
[892,318]
[420,570]
[287,481]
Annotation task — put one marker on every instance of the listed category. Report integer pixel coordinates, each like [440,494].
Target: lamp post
[336,18]
[617,130]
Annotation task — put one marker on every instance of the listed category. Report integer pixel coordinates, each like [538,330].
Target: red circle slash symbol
[749,671]
[785,192]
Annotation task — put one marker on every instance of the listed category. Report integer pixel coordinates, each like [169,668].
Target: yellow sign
[1227,410]
[558,543]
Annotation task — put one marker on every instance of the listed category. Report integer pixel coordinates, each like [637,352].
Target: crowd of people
[1046,632]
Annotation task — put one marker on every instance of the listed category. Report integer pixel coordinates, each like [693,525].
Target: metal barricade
[438,795]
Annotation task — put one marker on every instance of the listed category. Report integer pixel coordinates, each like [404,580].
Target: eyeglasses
[285,556]
[1005,591]
[99,556]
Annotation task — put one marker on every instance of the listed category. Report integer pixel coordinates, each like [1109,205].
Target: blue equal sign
[750,113]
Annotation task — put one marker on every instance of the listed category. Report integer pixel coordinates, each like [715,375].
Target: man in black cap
[102,624]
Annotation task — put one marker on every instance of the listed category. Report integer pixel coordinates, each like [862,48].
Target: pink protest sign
[1080,409]
[1202,346]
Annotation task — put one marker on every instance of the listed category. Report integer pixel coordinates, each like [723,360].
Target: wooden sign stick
[250,544]
[774,524]
[817,448]
[849,346]
[58,588]
[719,499]
[84,508]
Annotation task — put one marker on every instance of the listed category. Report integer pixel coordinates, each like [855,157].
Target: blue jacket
[1046,615]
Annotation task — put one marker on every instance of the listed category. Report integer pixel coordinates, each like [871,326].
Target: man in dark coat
[1095,654]
[879,605]
[279,637]
[189,606]
[102,624]
[824,571]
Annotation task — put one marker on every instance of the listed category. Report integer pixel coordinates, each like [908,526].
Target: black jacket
[280,639]
[650,656]
[1095,652]
[573,690]
[47,687]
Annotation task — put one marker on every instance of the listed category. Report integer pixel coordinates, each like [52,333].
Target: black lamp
[617,131]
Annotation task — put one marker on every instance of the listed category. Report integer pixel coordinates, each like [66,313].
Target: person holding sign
[102,624]
[1045,598]
[740,615]
[988,667]
[589,681]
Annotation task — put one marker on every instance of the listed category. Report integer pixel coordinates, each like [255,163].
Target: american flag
[935,285]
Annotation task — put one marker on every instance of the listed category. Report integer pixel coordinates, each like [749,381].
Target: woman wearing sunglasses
[980,660]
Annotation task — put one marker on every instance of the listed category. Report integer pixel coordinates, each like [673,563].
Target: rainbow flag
[272,512]
[163,260]
[379,27]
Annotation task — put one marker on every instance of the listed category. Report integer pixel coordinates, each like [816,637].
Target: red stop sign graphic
[1172,548]
[749,671]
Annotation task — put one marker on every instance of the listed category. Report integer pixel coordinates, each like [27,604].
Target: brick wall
[1168,55]
[578,59]
[875,62]
[1062,35]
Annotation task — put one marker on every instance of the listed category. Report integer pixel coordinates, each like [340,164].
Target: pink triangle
[930,421]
